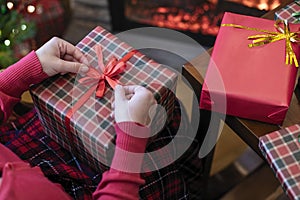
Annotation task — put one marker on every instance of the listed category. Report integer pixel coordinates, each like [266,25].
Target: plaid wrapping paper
[25,136]
[91,126]
[282,151]
[286,13]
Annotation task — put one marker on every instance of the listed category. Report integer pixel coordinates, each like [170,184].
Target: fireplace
[199,19]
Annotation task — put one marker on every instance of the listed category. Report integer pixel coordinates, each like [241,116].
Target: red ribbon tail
[100,57]
[111,66]
[128,55]
[119,68]
[100,89]
[112,82]
[75,107]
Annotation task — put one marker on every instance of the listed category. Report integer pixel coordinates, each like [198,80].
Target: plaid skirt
[25,137]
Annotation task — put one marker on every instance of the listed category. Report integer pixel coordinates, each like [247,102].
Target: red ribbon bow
[109,71]
[113,68]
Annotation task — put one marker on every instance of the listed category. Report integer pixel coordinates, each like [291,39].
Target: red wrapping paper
[253,83]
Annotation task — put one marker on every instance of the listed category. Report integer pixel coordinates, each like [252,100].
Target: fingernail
[85,61]
[84,69]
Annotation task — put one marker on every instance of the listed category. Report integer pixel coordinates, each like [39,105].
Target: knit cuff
[129,151]
[18,77]
[132,137]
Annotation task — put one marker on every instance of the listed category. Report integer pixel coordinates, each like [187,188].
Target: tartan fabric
[282,151]
[26,138]
[286,13]
[92,133]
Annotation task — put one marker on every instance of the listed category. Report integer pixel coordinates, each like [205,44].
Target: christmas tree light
[14,30]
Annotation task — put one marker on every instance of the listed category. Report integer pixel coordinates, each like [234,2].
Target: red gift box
[88,132]
[253,83]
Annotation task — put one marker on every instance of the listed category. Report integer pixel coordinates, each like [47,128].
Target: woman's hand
[59,56]
[133,103]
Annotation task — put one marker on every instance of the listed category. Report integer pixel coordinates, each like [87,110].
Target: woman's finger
[69,50]
[73,67]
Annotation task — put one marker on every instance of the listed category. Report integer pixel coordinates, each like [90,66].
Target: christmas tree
[14,30]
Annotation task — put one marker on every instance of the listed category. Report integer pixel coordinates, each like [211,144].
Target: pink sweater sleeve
[123,179]
[16,79]
[21,181]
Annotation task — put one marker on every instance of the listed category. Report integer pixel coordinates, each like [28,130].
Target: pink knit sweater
[20,181]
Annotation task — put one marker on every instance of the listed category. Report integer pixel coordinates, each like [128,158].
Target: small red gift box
[86,129]
[253,83]
[282,151]
[287,12]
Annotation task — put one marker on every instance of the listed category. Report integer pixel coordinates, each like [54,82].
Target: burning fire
[194,19]
[202,18]
[259,4]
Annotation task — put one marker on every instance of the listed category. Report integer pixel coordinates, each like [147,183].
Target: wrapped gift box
[90,133]
[282,151]
[253,83]
[286,13]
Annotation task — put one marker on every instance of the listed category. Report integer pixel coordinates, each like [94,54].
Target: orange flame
[195,19]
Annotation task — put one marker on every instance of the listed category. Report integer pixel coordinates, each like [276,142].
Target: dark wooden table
[248,130]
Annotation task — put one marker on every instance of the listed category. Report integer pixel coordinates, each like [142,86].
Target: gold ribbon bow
[270,36]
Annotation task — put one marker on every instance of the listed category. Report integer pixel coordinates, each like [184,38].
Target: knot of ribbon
[273,36]
[97,79]
[108,72]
